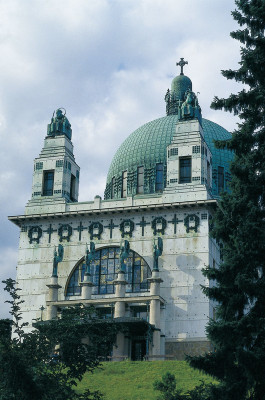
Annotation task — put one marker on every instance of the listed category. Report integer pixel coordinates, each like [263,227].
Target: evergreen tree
[238,333]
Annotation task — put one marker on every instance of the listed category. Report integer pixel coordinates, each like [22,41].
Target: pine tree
[238,333]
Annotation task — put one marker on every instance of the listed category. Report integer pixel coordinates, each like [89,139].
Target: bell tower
[56,174]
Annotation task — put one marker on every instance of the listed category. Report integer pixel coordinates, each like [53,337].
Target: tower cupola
[56,174]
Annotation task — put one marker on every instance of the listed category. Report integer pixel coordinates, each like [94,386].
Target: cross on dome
[181,64]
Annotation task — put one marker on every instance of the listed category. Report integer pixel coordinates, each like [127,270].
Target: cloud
[109,63]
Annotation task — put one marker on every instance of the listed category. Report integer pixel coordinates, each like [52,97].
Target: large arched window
[104,271]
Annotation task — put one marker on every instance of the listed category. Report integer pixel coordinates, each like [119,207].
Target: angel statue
[58,257]
[90,256]
[158,250]
[124,254]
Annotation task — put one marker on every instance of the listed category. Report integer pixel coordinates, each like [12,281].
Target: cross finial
[181,64]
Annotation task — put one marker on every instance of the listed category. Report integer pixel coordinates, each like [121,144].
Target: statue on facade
[158,250]
[187,108]
[59,124]
[58,257]
[190,108]
[124,254]
[90,256]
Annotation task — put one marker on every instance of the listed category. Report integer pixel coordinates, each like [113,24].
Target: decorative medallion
[159,225]
[127,227]
[191,222]
[34,234]
[95,229]
[65,232]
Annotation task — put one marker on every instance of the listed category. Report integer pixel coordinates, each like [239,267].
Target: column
[86,287]
[119,312]
[154,316]
[52,296]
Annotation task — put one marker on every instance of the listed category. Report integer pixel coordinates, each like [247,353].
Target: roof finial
[181,64]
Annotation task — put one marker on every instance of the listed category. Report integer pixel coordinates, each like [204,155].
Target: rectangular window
[124,184]
[221,180]
[140,180]
[159,177]
[174,151]
[113,183]
[208,173]
[59,163]
[196,149]
[48,180]
[39,165]
[185,170]
[72,188]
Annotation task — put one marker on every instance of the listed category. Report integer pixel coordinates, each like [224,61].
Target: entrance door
[138,350]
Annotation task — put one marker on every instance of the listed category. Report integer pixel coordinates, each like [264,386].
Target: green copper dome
[180,85]
[147,147]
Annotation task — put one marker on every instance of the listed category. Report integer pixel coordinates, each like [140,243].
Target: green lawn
[134,380]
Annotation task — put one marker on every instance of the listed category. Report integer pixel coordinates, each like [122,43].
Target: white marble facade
[180,216]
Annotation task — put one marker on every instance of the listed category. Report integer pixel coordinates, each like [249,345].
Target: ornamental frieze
[159,225]
[95,229]
[191,222]
[65,232]
[127,227]
[34,234]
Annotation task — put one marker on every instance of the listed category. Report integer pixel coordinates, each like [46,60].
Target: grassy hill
[134,380]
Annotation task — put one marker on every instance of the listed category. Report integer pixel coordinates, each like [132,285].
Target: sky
[109,63]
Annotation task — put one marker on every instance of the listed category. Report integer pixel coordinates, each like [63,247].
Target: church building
[136,256]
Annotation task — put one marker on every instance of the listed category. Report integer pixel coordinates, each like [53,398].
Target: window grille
[140,180]
[174,151]
[204,216]
[39,165]
[59,163]
[159,185]
[174,180]
[113,184]
[196,149]
[104,271]
[124,184]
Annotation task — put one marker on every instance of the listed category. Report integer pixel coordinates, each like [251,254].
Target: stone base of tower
[179,350]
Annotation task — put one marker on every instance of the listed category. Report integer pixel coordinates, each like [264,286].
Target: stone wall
[193,348]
